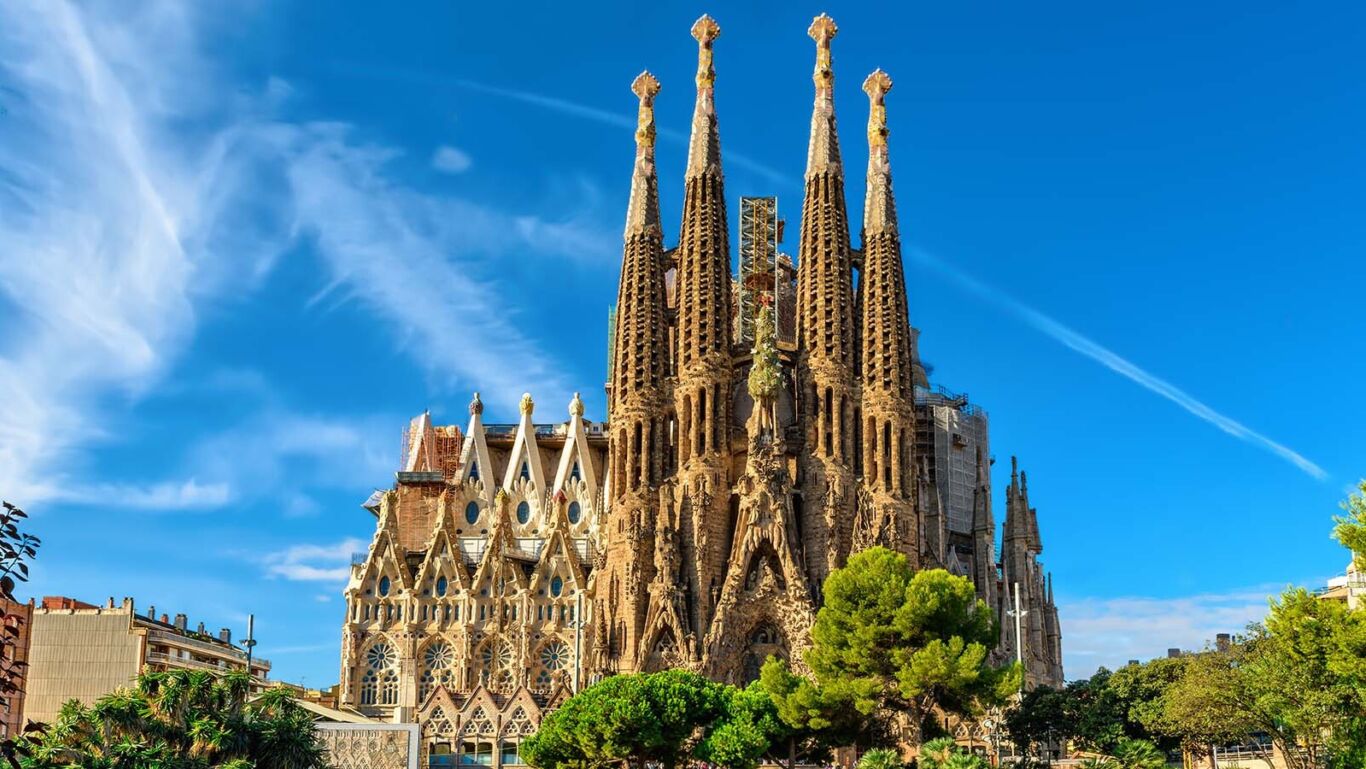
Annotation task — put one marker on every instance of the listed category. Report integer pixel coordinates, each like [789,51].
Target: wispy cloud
[1108,632]
[132,191]
[313,563]
[158,497]
[451,160]
[1116,363]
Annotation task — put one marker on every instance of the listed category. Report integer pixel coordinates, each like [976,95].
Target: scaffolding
[759,275]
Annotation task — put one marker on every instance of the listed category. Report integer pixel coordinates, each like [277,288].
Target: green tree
[639,718]
[813,720]
[1350,529]
[1302,678]
[911,642]
[1199,708]
[1141,691]
[180,720]
[1043,714]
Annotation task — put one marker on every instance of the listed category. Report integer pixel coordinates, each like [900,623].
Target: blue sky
[241,244]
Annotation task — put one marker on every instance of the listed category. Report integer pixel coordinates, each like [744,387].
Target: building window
[574,474]
[472,512]
[474,471]
[523,512]
[437,662]
[526,471]
[574,512]
[476,754]
[440,756]
[388,688]
[441,585]
[556,587]
[555,655]
[369,687]
[384,586]
[507,753]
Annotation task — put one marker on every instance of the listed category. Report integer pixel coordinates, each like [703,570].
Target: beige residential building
[82,651]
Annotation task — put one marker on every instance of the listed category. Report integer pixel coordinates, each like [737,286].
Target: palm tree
[177,719]
[1139,754]
[880,758]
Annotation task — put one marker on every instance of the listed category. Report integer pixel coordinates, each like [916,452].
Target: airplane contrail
[1116,363]
[588,112]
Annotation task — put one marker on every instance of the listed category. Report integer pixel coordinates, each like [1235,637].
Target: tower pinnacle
[704,148]
[642,213]
[879,210]
[823,152]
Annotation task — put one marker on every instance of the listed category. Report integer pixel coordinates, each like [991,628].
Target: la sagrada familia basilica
[760,428]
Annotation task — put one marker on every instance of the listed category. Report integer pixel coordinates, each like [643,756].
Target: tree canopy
[180,720]
[1350,529]
[888,637]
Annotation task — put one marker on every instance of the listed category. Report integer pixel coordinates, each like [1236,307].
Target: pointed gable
[476,467]
[524,463]
[576,460]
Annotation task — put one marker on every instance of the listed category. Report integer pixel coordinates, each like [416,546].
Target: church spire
[703,281]
[885,327]
[827,348]
[642,213]
[640,349]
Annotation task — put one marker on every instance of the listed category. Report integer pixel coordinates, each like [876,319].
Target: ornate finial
[704,145]
[476,406]
[645,86]
[823,30]
[576,406]
[876,86]
[705,30]
[642,211]
[527,404]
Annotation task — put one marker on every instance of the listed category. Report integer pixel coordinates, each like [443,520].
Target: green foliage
[1043,713]
[748,729]
[1302,678]
[880,758]
[889,637]
[944,753]
[181,720]
[658,717]
[1139,754]
[1350,529]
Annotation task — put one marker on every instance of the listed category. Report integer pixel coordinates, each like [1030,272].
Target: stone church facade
[513,564]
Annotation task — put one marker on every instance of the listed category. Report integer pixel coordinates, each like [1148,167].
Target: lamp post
[250,641]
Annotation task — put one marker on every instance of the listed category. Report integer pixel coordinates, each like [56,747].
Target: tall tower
[887,514]
[825,328]
[637,404]
[703,362]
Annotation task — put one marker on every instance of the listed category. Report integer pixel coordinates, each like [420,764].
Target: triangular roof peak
[524,449]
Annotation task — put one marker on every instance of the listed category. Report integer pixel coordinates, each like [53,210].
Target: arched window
[474,471]
[369,687]
[526,471]
[574,473]
[388,688]
[379,679]
[441,586]
[574,511]
[523,512]
[556,587]
[437,662]
[472,513]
